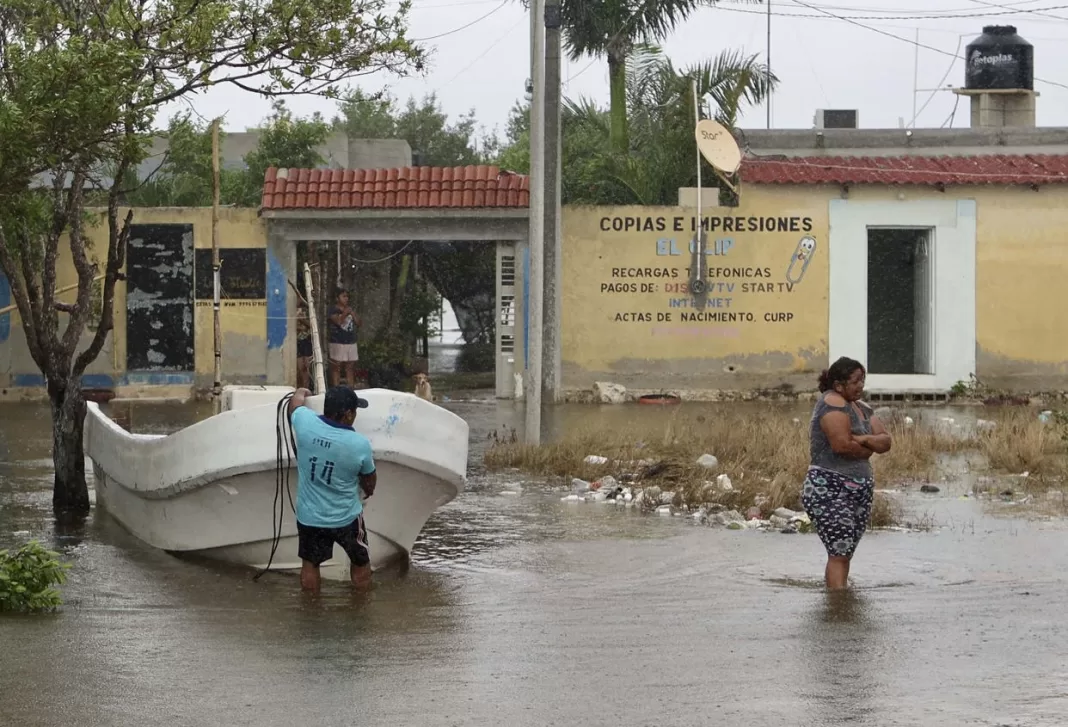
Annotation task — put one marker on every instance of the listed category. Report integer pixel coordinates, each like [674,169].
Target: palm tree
[613,28]
[661,155]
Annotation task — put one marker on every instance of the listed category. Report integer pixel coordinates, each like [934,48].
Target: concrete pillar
[553,250]
[281,363]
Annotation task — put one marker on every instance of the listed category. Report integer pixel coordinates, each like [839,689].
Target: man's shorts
[316,545]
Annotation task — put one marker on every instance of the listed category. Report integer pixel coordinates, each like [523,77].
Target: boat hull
[227,506]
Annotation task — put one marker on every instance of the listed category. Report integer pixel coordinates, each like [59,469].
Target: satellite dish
[718,146]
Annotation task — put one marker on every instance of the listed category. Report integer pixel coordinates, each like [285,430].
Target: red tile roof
[401,188]
[986,169]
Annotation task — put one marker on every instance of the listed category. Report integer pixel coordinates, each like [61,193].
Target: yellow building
[163,340]
[928,269]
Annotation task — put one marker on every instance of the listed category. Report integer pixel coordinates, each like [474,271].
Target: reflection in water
[522,610]
[838,658]
[844,606]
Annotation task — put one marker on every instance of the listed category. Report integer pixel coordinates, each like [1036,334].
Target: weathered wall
[1021,301]
[1021,257]
[254,314]
[245,296]
[615,332]
[628,316]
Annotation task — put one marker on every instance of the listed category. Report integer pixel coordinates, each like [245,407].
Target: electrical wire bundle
[285,450]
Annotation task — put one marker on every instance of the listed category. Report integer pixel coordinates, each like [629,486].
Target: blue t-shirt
[330,460]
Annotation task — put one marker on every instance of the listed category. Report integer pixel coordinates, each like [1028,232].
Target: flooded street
[520,609]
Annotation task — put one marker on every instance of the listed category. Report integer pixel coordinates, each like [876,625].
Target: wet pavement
[521,610]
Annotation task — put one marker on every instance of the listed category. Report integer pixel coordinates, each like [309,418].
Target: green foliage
[465,274]
[28,578]
[286,142]
[420,312]
[81,88]
[184,177]
[386,360]
[661,156]
[613,28]
[423,124]
[514,152]
[970,389]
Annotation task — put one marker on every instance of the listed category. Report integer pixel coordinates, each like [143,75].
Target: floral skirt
[840,508]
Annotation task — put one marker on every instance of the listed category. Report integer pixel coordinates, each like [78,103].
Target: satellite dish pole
[697,252]
[697,123]
[718,147]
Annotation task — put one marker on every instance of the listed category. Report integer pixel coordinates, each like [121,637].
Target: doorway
[900,301]
[159,298]
[902,291]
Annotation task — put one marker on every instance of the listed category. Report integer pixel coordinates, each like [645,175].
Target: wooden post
[317,351]
[66,289]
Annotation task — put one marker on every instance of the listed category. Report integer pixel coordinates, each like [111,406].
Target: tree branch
[116,260]
[23,304]
[82,264]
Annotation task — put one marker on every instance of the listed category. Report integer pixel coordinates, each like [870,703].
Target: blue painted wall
[277,295]
[5,318]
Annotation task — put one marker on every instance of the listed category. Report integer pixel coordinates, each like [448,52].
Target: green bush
[28,577]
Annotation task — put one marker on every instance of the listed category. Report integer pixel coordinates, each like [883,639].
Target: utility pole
[216,265]
[769,63]
[536,244]
[553,281]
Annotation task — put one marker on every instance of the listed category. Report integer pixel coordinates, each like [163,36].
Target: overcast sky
[827,53]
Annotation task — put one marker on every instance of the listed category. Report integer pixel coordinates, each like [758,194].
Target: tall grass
[764,450]
[1022,443]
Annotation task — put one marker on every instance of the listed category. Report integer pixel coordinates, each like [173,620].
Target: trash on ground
[708,461]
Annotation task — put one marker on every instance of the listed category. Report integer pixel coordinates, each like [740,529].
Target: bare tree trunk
[619,137]
[70,495]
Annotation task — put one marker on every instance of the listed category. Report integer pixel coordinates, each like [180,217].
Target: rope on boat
[285,450]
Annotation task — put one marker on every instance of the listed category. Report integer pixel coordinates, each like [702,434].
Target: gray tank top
[821,452]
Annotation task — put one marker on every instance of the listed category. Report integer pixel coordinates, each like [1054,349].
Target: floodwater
[522,610]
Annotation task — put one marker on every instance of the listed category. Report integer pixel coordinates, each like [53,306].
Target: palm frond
[732,81]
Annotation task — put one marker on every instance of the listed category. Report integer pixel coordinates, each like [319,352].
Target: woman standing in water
[840,487]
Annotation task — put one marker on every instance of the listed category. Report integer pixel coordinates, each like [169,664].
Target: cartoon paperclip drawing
[802,256]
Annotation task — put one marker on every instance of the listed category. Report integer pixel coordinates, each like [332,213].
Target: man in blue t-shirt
[334,462]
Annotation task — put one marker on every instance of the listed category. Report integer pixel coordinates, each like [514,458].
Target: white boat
[213,489]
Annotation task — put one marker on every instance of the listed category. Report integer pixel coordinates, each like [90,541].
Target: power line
[825,18]
[462,27]
[428,4]
[588,67]
[1037,11]
[484,53]
[939,12]
[941,83]
[820,9]
[952,115]
[908,40]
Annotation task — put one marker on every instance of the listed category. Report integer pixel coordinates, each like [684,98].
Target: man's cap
[341,399]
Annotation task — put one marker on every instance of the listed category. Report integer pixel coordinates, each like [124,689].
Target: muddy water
[521,610]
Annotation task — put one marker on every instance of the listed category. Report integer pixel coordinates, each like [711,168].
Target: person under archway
[342,327]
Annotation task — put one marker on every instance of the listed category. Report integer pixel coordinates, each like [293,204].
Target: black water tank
[999,58]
